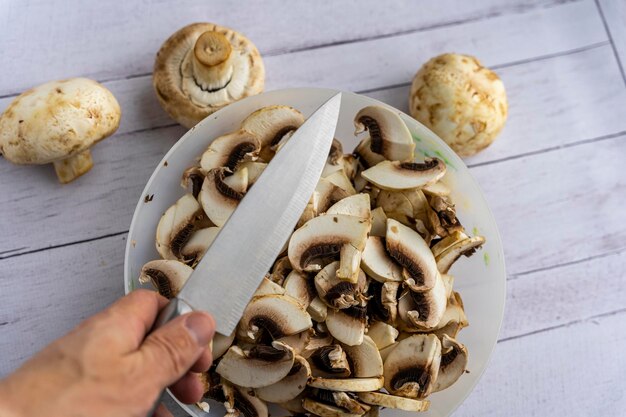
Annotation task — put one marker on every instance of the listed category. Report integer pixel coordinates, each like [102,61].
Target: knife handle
[176,307]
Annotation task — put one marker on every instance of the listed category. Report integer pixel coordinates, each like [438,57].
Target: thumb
[169,352]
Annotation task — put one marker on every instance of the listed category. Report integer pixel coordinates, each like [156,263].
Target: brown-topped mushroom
[203,67]
[56,123]
[230,151]
[167,276]
[218,198]
[177,225]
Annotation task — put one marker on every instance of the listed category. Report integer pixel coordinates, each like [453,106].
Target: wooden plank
[46,294]
[558,206]
[572,371]
[66,38]
[614,15]
[557,113]
[557,296]
[365,65]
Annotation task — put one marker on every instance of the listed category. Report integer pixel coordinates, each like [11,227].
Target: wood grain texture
[365,65]
[613,12]
[43,306]
[107,194]
[134,30]
[574,371]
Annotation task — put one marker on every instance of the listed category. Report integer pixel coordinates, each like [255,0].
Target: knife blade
[249,242]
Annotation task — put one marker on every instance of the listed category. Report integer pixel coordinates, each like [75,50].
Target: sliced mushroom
[384,352]
[300,287]
[318,310]
[423,309]
[453,363]
[347,402]
[336,293]
[437,189]
[397,175]
[241,403]
[377,262]
[347,384]
[396,205]
[442,216]
[350,165]
[465,247]
[419,204]
[230,150]
[295,405]
[290,386]
[392,401]
[268,287]
[167,276]
[365,360]
[280,270]
[447,242]
[258,367]
[341,180]
[325,410]
[177,225]
[349,262]
[325,195]
[198,243]
[382,334]
[379,222]
[318,339]
[347,325]
[383,305]
[192,180]
[389,135]
[411,368]
[220,344]
[410,250]
[322,237]
[218,199]
[299,341]
[453,319]
[270,124]
[329,362]
[203,67]
[255,169]
[356,205]
[275,315]
[448,282]
[238,181]
[366,156]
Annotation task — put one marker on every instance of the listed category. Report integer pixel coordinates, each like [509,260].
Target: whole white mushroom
[460,100]
[57,122]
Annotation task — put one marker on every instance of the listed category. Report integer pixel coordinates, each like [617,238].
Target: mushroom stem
[69,169]
[212,60]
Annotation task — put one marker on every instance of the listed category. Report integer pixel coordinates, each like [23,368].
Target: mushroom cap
[389,136]
[290,386]
[382,334]
[217,198]
[56,120]
[230,150]
[347,325]
[460,100]
[397,175]
[176,226]
[278,315]
[377,262]
[453,363]
[173,74]
[166,275]
[271,123]
[250,369]
[411,368]
[365,359]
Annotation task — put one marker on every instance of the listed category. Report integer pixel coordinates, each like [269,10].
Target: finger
[138,310]
[204,361]
[162,411]
[170,351]
[189,389]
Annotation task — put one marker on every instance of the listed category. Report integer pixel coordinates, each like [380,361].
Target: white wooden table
[556,178]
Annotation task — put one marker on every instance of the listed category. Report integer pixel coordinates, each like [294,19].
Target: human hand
[108,367]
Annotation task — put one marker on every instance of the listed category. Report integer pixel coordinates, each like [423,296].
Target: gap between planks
[286,51]
[611,40]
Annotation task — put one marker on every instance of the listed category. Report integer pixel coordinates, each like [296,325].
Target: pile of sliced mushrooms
[358,312]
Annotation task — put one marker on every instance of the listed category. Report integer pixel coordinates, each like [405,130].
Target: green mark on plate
[444,159]
[475,231]
[415,137]
[131,285]
[486,258]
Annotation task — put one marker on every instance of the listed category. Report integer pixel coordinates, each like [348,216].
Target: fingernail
[201,327]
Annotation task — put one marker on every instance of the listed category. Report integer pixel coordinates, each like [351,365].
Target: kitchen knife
[249,242]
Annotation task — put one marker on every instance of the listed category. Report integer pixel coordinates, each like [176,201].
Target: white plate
[480,279]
